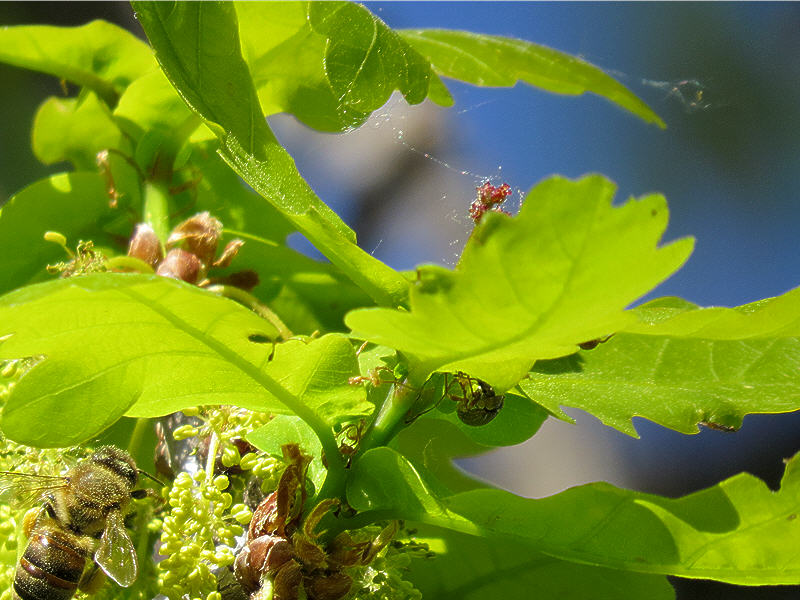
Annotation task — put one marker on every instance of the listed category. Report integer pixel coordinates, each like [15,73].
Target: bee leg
[31,520]
[92,580]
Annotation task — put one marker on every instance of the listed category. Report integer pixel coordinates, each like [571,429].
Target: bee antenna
[146,474]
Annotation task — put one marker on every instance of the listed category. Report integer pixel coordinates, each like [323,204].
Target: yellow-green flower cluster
[8,550]
[200,530]
[230,424]
[199,535]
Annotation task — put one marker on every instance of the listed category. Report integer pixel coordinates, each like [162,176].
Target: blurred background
[725,78]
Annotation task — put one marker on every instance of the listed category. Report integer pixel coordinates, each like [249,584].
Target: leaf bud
[263,521]
[265,554]
[180,264]
[200,235]
[145,245]
[328,587]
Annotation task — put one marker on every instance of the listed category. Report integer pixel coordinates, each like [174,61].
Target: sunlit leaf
[534,286]
[74,129]
[287,429]
[147,346]
[309,295]
[769,318]
[492,60]
[99,55]
[74,204]
[330,64]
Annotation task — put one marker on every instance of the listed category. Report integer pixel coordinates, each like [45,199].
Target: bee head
[117,461]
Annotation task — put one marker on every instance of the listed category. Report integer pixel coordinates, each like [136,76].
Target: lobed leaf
[532,287]
[738,531]
[330,64]
[686,366]
[474,568]
[197,45]
[99,55]
[491,60]
[770,318]
[74,129]
[146,346]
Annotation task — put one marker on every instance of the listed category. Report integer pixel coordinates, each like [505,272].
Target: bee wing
[21,490]
[116,554]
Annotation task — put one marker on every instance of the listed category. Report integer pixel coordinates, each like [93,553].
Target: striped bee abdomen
[51,567]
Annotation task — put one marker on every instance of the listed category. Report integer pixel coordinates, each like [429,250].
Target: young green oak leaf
[769,318]
[75,129]
[74,204]
[738,531]
[288,429]
[684,366]
[145,346]
[492,60]
[534,286]
[330,64]
[99,55]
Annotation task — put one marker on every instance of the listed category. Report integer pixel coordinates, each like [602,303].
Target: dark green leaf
[473,568]
[491,60]
[197,45]
[533,286]
[99,55]
[147,346]
[738,531]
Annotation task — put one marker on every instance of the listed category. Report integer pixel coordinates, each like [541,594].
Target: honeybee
[79,527]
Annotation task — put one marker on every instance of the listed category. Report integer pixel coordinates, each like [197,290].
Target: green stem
[251,237]
[393,413]
[251,302]
[156,208]
[211,459]
[138,433]
[130,263]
